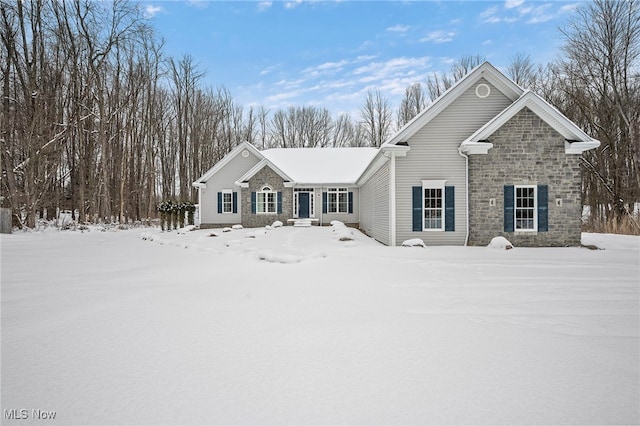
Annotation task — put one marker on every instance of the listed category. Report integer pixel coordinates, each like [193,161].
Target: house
[487,158]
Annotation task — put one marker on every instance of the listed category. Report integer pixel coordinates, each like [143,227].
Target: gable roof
[485,70]
[225,160]
[243,181]
[321,165]
[577,140]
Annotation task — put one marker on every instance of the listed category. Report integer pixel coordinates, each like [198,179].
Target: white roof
[321,165]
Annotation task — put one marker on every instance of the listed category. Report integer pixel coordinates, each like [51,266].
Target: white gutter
[466,161]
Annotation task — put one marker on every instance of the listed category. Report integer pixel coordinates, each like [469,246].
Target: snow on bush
[276,224]
[414,242]
[344,235]
[336,224]
[186,229]
[232,243]
[270,256]
[255,233]
[226,229]
[500,243]
[237,227]
[212,234]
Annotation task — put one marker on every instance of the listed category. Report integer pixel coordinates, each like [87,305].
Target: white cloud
[269,70]
[292,4]
[569,7]
[398,28]
[439,37]
[264,5]
[150,10]
[516,10]
[489,15]
[364,58]
[200,4]
[510,4]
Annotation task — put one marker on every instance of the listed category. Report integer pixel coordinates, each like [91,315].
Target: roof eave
[474,148]
[580,147]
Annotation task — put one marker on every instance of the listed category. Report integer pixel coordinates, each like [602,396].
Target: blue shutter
[508,208]
[417,208]
[235,202]
[324,203]
[253,202]
[279,207]
[543,208]
[219,202]
[449,209]
[350,201]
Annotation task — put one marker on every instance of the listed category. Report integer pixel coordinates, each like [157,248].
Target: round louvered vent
[482,90]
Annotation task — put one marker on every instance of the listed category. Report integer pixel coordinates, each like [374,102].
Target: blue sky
[329,53]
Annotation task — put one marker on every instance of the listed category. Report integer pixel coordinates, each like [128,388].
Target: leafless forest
[95,118]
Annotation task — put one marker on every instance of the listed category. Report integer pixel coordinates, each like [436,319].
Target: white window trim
[225,192]
[535,209]
[344,191]
[267,190]
[434,184]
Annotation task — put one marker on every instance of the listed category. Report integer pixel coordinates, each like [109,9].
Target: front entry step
[302,222]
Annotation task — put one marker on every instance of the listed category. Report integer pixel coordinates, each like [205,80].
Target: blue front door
[303,205]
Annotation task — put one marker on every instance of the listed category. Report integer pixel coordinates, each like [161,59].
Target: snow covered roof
[321,165]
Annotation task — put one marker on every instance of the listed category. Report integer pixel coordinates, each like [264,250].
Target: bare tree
[599,73]
[414,101]
[437,84]
[521,70]
[375,117]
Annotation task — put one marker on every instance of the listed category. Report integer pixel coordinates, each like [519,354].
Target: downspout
[466,161]
[321,206]
[199,207]
[392,199]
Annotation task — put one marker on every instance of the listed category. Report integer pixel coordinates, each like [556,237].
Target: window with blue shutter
[235,202]
[324,202]
[449,209]
[219,202]
[416,197]
[253,202]
[279,202]
[350,201]
[508,208]
[543,208]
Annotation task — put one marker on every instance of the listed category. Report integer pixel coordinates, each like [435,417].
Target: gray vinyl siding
[225,178]
[374,208]
[434,155]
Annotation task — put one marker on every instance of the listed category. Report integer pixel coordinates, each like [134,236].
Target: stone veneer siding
[266,177]
[526,151]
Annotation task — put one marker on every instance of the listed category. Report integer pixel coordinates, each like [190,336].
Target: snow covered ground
[293,326]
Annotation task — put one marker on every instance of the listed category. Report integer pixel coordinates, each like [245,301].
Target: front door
[303,205]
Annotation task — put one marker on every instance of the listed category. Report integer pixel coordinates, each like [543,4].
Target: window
[227,201]
[337,200]
[433,205]
[433,208]
[525,208]
[266,201]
